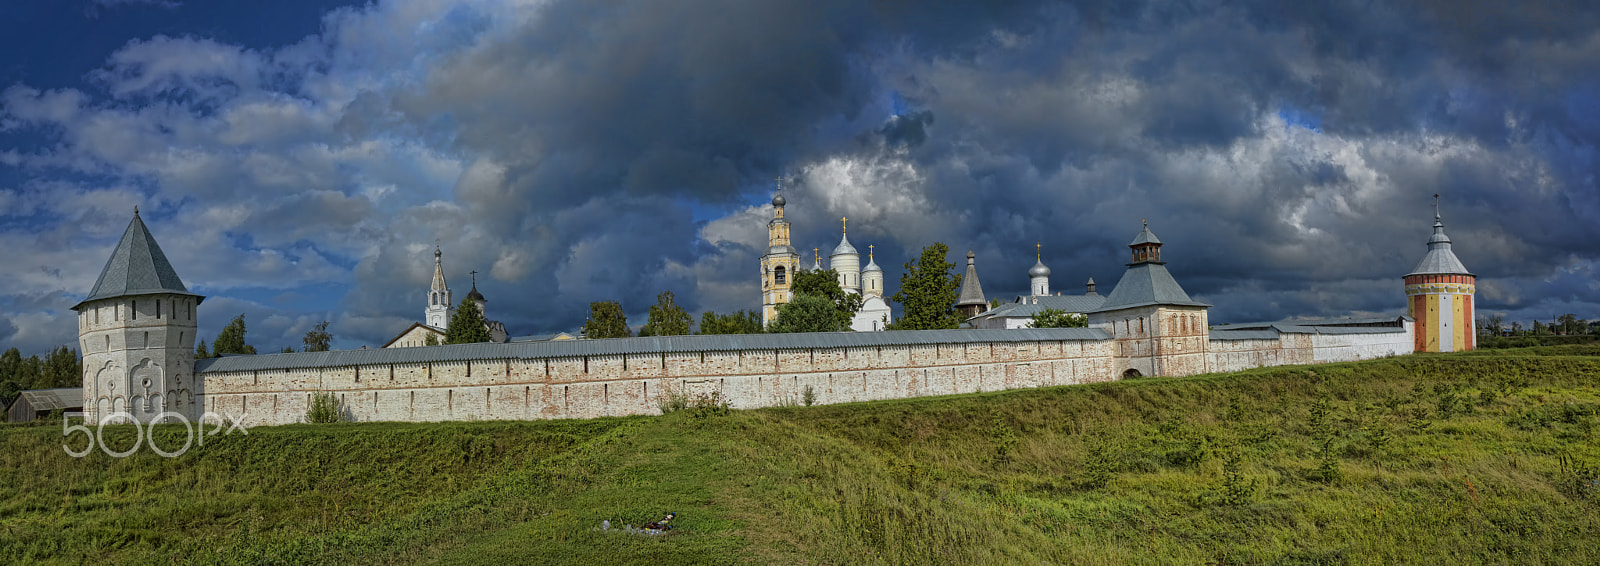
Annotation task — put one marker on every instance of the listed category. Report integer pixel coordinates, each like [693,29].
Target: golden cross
[846,222]
[1038,251]
[869,253]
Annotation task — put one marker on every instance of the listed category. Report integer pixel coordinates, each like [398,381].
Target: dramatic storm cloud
[299,161]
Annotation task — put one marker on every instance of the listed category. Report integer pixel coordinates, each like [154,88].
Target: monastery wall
[632,384]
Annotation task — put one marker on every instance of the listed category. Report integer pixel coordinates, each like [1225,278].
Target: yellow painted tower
[779,264]
[1439,295]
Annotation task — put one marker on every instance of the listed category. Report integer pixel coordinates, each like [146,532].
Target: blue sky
[298,160]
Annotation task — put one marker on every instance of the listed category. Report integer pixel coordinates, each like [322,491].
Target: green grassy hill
[1488,457]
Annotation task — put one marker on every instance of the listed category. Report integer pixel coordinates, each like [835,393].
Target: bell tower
[779,264]
[136,329]
[440,304]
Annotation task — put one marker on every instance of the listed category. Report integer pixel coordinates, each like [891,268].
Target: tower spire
[845,222]
[1436,218]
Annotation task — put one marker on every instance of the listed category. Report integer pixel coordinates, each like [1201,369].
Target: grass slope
[1487,457]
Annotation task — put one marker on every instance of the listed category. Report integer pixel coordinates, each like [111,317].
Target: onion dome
[872,265]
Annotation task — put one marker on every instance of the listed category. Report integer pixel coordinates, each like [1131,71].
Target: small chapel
[441,309]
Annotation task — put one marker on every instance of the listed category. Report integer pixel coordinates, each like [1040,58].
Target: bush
[325,408]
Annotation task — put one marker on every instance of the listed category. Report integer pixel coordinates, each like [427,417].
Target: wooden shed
[38,403]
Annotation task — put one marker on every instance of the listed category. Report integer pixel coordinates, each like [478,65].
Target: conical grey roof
[971,290]
[844,247]
[1440,260]
[137,267]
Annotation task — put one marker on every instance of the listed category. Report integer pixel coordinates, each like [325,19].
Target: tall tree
[928,291]
[808,313]
[200,351]
[1056,318]
[825,283]
[10,368]
[62,368]
[318,339]
[741,322]
[606,320]
[231,339]
[666,318]
[468,325]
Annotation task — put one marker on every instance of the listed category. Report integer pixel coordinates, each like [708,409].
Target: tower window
[134,308]
[778,276]
[158,308]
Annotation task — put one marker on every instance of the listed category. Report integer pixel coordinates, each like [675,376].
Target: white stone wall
[1351,347]
[595,386]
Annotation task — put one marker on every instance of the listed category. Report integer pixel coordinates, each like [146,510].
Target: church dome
[475,295]
[778,200]
[845,247]
[872,265]
[1039,270]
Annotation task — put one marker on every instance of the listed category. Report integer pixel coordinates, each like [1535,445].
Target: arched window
[777,275]
[1141,325]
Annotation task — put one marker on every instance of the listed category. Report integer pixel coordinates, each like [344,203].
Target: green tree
[231,339]
[606,320]
[431,340]
[928,292]
[1570,324]
[666,318]
[318,339]
[467,326]
[1056,318]
[1539,328]
[200,351]
[62,368]
[741,322]
[825,283]
[808,313]
[10,367]
[285,350]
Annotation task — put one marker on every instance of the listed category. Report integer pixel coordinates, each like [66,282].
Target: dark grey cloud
[1287,152]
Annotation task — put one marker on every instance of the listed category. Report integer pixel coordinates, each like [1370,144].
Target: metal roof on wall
[645,345]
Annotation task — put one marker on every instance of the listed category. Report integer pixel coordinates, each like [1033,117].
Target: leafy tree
[467,326]
[1516,328]
[666,318]
[61,368]
[200,351]
[318,339]
[10,367]
[1539,328]
[808,313]
[231,339]
[928,291]
[1496,325]
[825,283]
[1056,318]
[285,350]
[742,322]
[606,320]
[431,340]
[1570,324]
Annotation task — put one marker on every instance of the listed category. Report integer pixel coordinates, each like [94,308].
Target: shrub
[325,408]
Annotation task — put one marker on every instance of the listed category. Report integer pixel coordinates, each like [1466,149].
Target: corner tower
[778,264]
[136,330]
[1439,295]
